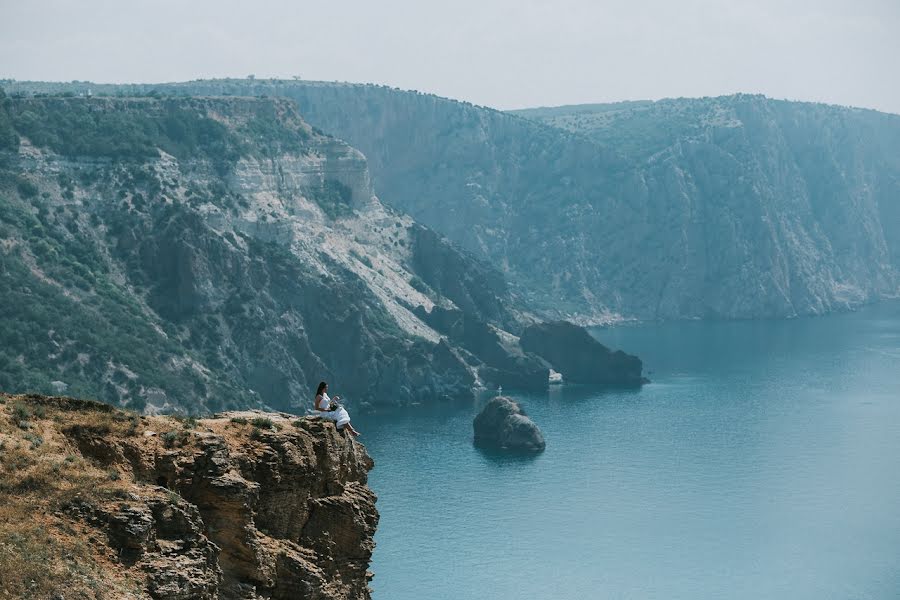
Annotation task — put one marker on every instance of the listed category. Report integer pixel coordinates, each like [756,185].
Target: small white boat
[555,378]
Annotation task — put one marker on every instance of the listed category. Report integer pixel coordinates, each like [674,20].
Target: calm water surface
[762,462]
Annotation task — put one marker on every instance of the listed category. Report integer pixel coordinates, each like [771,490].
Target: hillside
[238,266]
[733,207]
[100,503]
[208,253]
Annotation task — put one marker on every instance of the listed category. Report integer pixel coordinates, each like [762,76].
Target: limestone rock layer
[244,505]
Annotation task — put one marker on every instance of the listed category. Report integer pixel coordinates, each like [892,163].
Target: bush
[187,422]
[26,188]
[334,198]
[21,412]
[262,423]
[169,438]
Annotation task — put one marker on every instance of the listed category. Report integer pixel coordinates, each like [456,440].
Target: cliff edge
[100,503]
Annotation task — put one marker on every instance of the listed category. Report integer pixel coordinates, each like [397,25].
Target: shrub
[169,438]
[26,188]
[187,422]
[239,420]
[262,423]
[21,412]
[334,198]
[133,422]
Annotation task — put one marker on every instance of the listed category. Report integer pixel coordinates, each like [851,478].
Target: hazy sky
[506,54]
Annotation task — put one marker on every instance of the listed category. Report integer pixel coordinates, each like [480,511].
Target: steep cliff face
[726,207]
[98,503]
[760,207]
[749,208]
[211,254]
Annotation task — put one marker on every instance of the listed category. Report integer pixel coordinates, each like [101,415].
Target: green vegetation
[334,198]
[26,188]
[107,264]
[188,422]
[68,315]
[9,140]
[120,130]
[262,423]
[170,438]
[267,129]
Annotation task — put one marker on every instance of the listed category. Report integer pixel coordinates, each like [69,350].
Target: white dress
[340,416]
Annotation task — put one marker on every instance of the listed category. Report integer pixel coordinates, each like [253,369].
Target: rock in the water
[504,425]
[580,358]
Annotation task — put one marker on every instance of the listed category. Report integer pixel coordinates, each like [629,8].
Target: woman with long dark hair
[330,409]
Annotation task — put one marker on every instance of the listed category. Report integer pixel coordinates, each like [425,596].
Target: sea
[761,462]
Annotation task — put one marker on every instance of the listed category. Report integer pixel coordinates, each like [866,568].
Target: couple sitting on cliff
[330,409]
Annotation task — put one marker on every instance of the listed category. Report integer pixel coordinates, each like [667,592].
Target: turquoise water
[762,462]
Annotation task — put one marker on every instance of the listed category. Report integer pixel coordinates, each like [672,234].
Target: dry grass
[37,561]
[57,454]
[44,553]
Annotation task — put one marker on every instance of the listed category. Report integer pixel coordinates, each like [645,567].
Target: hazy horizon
[501,54]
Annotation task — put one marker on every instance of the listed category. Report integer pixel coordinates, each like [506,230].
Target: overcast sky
[507,54]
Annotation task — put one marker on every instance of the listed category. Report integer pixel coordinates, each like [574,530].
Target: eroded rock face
[501,361]
[580,358]
[737,207]
[503,425]
[245,505]
[242,271]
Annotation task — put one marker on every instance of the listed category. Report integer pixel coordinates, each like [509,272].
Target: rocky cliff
[739,206]
[730,207]
[213,253]
[750,206]
[100,503]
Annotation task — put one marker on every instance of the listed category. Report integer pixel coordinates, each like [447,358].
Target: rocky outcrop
[503,425]
[572,351]
[499,357]
[476,288]
[243,506]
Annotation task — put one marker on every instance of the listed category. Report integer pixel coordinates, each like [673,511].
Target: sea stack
[574,353]
[503,425]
